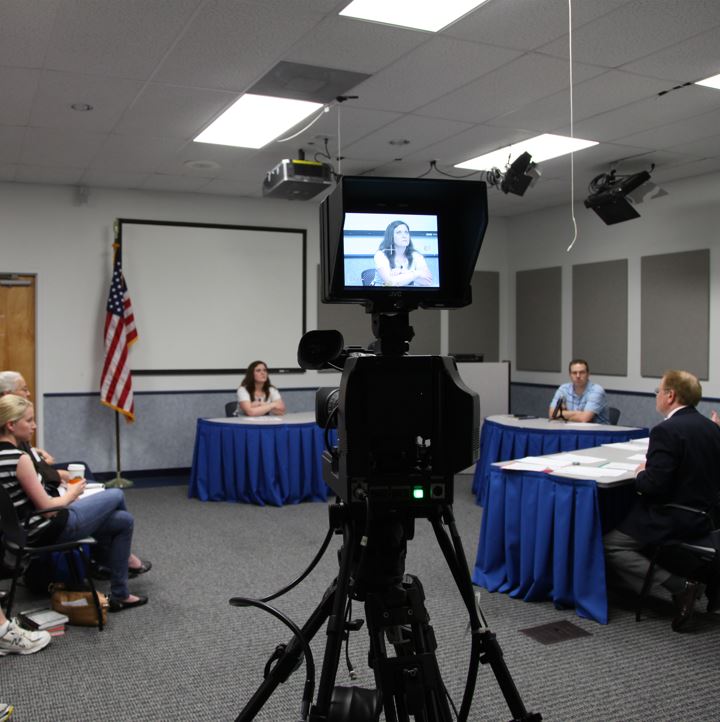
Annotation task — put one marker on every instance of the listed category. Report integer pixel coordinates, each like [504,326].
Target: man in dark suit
[682,468]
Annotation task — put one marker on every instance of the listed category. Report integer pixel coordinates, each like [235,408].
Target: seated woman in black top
[103,515]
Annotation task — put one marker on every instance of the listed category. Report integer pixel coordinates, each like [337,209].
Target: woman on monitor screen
[256,397]
[397,263]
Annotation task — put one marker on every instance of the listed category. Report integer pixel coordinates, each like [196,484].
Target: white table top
[304,417]
[555,425]
[598,467]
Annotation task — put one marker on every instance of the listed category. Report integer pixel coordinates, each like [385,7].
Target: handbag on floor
[78,605]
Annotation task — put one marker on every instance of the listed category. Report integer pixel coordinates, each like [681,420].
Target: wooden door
[17,326]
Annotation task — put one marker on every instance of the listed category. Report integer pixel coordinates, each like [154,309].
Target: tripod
[408,684]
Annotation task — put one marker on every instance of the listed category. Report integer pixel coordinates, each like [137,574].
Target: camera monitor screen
[391,249]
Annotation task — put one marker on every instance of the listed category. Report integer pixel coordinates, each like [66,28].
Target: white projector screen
[212,298]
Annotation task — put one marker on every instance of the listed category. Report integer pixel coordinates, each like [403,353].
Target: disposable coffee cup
[77,473]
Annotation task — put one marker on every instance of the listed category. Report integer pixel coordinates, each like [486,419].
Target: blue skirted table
[505,437]
[541,538]
[263,460]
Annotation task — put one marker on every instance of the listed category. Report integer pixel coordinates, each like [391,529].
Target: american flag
[120,333]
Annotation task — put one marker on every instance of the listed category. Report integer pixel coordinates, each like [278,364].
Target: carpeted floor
[188,655]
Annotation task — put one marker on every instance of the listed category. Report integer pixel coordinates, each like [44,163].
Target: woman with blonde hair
[103,515]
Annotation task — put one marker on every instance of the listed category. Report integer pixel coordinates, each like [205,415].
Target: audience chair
[613,415]
[367,276]
[14,542]
[231,408]
[697,559]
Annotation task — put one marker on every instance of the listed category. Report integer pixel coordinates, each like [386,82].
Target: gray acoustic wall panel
[355,325]
[675,313]
[475,329]
[537,319]
[600,316]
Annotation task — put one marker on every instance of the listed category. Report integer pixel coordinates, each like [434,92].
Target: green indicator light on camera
[418,492]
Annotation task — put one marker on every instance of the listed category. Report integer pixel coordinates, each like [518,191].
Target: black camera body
[406,425]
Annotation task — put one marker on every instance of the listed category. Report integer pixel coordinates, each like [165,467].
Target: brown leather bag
[78,605]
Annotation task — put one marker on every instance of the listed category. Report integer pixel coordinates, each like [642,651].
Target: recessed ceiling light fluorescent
[432,16]
[712,82]
[253,121]
[542,147]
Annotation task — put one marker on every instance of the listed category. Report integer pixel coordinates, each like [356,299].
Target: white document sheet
[594,472]
[520,466]
[584,460]
[620,465]
[627,446]
[637,457]
[547,462]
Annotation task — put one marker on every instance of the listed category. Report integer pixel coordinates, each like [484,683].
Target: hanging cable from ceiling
[572,130]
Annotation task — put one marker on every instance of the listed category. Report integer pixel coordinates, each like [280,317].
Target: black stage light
[519,175]
[608,196]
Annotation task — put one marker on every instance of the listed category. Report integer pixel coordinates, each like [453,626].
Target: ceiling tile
[637,29]
[182,184]
[231,44]
[420,131]
[7,172]
[686,130]
[173,111]
[118,39]
[612,89]
[11,141]
[349,44]
[17,89]
[508,88]
[135,154]
[693,59]
[58,147]
[25,31]
[649,113]
[56,92]
[687,170]
[705,148]
[526,24]
[429,72]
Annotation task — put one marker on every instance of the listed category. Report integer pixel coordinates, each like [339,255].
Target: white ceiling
[158,71]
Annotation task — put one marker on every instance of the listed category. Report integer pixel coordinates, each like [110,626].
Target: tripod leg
[288,661]
[485,647]
[335,628]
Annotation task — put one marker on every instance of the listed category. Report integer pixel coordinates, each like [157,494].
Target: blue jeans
[105,517]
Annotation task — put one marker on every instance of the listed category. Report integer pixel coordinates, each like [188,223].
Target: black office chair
[613,415]
[696,559]
[231,408]
[14,542]
[367,276]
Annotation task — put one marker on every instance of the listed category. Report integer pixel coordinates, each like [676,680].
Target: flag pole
[119,482]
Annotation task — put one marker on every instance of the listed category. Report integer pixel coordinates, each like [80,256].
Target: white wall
[686,219]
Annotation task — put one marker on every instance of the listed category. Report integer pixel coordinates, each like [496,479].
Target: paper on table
[519,466]
[620,465]
[546,461]
[645,441]
[637,457]
[582,424]
[627,446]
[578,459]
[594,472]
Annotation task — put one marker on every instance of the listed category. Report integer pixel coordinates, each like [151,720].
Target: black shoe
[144,567]
[685,604]
[117,605]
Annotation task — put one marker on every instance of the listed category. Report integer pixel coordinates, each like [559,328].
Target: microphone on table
[559,408]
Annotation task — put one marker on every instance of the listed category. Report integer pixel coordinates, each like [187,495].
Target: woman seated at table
[397,263]
[102,515]
[256,396]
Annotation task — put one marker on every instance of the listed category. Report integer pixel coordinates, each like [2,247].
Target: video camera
[406,424]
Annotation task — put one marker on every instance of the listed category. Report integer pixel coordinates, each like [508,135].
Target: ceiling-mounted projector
[297,180]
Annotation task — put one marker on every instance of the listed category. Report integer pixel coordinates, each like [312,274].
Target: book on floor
[42,618]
